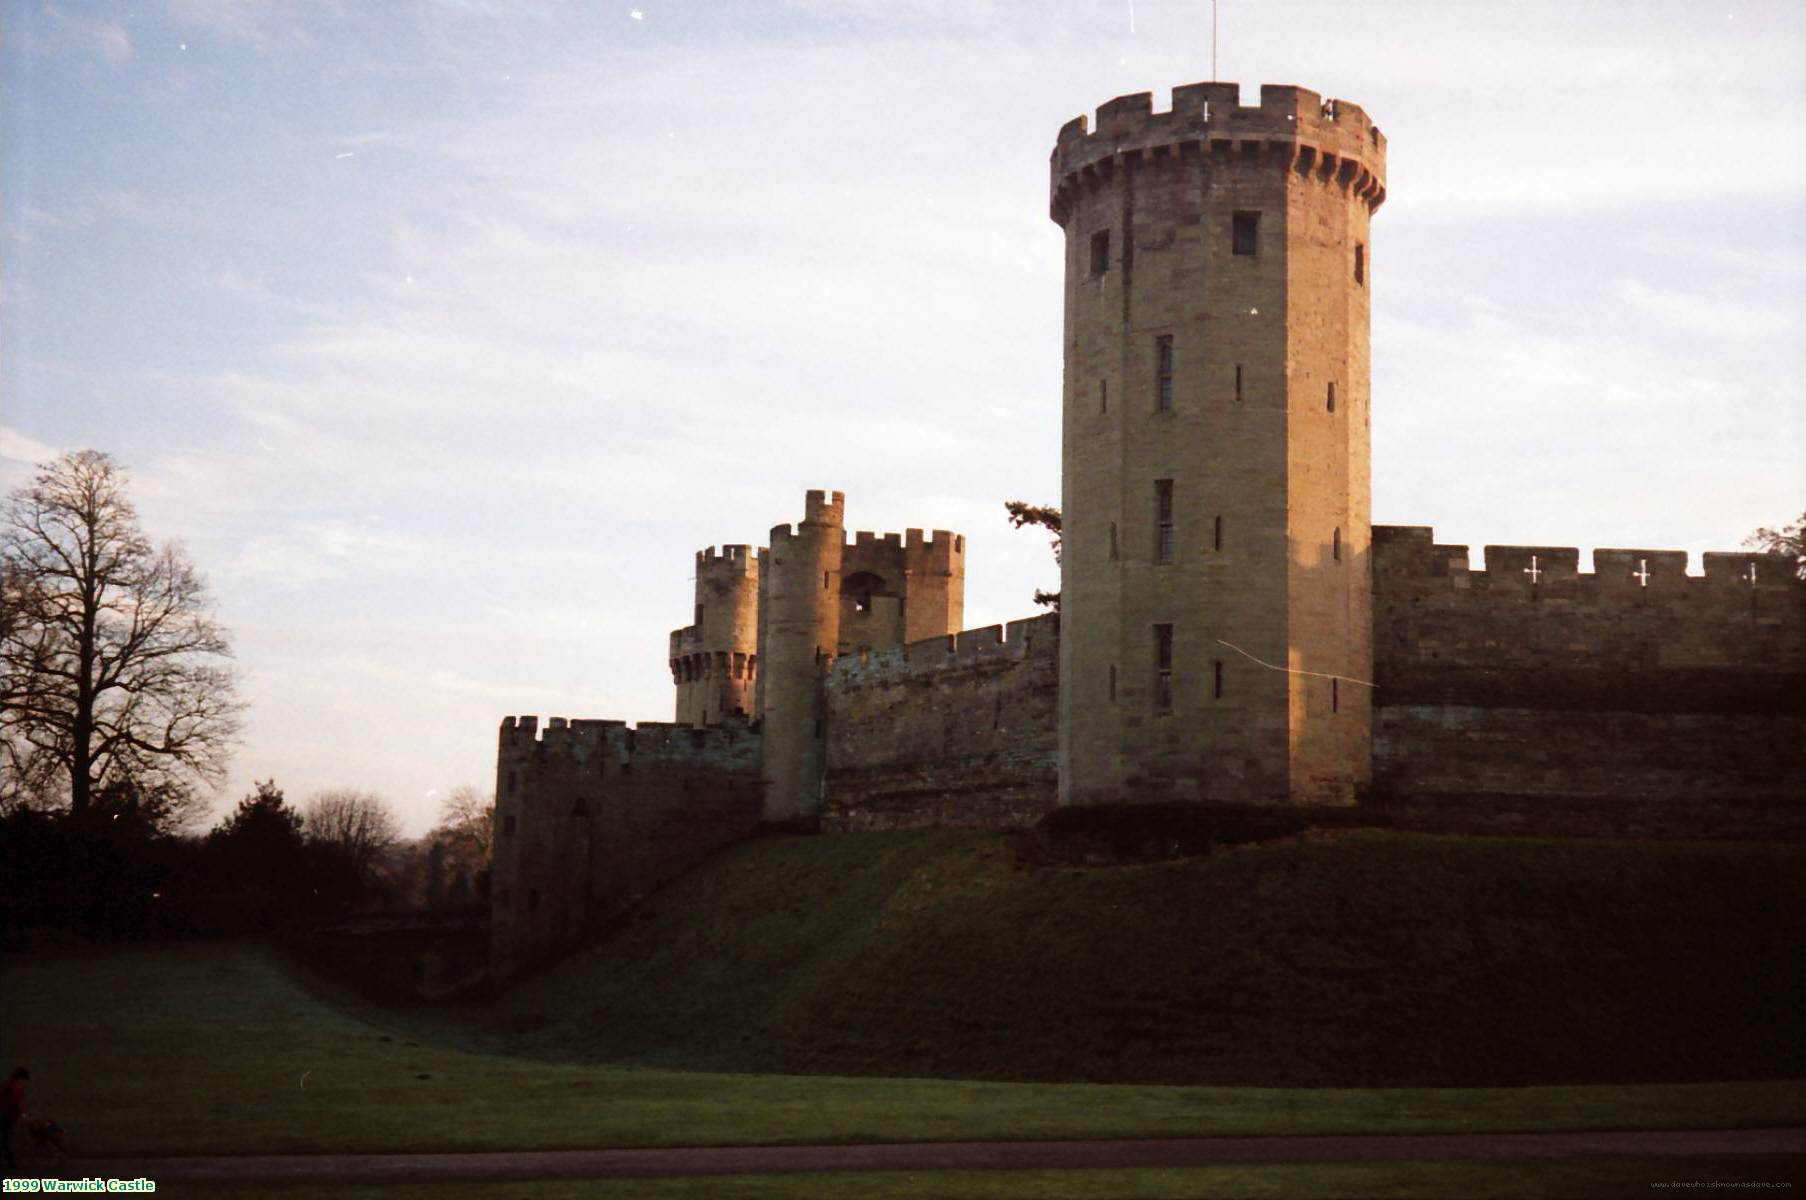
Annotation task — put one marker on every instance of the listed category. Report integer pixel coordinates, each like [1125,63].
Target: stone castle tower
[799,630]
[768,627]
[715,661]
[1216,588]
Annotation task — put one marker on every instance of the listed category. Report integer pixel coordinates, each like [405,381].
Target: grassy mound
[1356,959]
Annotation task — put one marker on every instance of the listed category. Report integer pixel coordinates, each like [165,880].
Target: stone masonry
[1233,628]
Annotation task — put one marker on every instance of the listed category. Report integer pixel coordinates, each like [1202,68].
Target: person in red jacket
[12,1110]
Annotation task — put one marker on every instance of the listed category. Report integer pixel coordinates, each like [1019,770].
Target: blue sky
[443,333]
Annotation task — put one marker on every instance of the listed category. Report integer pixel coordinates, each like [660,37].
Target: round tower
[714,662]
[1215,592]
[799,626]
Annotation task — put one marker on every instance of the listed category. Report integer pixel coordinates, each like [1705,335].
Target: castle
[1233,629]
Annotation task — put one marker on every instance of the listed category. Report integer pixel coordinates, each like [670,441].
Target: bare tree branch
[357,824]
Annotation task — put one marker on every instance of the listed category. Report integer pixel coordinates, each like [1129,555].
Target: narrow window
[1103,395]
[1330,400]
[824,584]
[508,825]
[1113,541]
[1163,666]
[1163,520]
[1238,383]
[818,728]
[1113,683]
[1163,373]
[1247,232]
[1335,545]
[699,616]
[1360,263]
[1216,535]
[1100,252]
[1216,681]
[1335,696]
[511,780]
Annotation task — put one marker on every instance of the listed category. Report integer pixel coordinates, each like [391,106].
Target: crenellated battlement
[522,739]
[1293,128]
[1411,551]
[966,650]
[823,508]
[940,552]
[729,561]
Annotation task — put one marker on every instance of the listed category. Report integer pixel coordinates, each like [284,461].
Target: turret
[799,622]
[714,662]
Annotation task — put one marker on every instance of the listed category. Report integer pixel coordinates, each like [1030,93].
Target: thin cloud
[23,448]
[1733,318]
[105,40]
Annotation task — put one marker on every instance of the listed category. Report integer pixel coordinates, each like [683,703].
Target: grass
[1596,1179]
[223,1048]
[1359,960]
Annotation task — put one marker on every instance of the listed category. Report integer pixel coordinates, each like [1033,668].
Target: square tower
[1216,587]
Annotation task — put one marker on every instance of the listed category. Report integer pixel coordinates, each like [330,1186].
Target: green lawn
[215,1048]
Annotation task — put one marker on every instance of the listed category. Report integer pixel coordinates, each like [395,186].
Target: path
[923,1156]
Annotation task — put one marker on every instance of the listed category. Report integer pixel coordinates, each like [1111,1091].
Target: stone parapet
[1293,127]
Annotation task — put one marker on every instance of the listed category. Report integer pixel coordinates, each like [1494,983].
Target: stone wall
[1530,683]
[951,732]
[592,815]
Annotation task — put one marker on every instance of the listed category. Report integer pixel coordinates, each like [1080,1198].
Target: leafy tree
[113,672]
[1789,540]
[1048,517]
[260,843]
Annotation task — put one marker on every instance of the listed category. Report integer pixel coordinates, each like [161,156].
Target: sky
[442,333]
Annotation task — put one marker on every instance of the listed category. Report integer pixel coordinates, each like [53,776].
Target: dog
[47,1138]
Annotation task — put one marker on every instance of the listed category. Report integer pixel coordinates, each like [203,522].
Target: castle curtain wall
[1633,699]
[951,732]
[593,815]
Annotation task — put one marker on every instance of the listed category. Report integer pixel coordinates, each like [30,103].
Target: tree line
[118,712]
[110,871]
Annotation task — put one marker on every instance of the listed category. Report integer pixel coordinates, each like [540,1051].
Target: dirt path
[921,1156]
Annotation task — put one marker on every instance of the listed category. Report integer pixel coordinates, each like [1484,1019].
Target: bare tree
[467,822]
[113,671]
[463,840]
[356,824]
